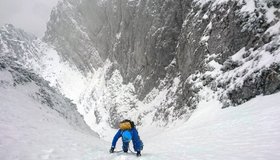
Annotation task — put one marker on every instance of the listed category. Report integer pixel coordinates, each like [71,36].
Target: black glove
[138,154]
[112,150]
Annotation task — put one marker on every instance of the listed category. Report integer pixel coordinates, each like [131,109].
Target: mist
[29,15]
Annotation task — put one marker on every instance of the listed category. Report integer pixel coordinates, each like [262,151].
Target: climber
[128,132]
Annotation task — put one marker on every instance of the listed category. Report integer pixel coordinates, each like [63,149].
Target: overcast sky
[30,15]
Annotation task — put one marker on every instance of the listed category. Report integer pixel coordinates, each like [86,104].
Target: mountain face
[168,55]
[153,61]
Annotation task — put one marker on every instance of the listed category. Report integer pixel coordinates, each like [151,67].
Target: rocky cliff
[168,52]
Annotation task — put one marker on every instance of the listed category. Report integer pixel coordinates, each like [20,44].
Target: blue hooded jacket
[137,143]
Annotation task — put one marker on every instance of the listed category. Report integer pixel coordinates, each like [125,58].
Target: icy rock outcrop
[216,30]
[266,81]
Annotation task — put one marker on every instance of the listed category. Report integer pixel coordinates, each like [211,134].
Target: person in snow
[128,132]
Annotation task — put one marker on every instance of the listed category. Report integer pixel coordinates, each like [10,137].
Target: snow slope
[36,122]
[249,131]
[32,131]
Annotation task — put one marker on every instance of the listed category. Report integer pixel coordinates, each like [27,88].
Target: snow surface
[31,131]
[249,131]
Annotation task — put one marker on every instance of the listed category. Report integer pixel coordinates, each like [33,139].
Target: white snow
[31,131]
[256,61]
[249,131]
[275,29]
[204,38]
[118,35]
[62,75]
[205,16]
[247,6]
[5,76]
[270,13]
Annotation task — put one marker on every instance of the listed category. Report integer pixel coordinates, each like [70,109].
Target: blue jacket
[137,143]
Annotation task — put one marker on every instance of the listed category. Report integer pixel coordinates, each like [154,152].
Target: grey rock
[272,80]
[266,83]
[229,65]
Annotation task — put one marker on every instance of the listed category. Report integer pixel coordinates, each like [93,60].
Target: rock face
[152,42]
[75,33]
[129,33]
[215,31]
[16,42]
[267,82]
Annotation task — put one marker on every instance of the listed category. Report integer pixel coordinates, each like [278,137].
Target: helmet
[126,136]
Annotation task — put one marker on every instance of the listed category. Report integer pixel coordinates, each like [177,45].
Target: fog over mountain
[30,15]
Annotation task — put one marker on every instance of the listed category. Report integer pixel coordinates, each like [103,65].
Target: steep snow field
[249,131]
[31,131]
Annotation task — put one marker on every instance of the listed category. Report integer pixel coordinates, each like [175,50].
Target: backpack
[126,136]
[126,124]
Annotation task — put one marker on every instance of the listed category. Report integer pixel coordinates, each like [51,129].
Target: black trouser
[125,146]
